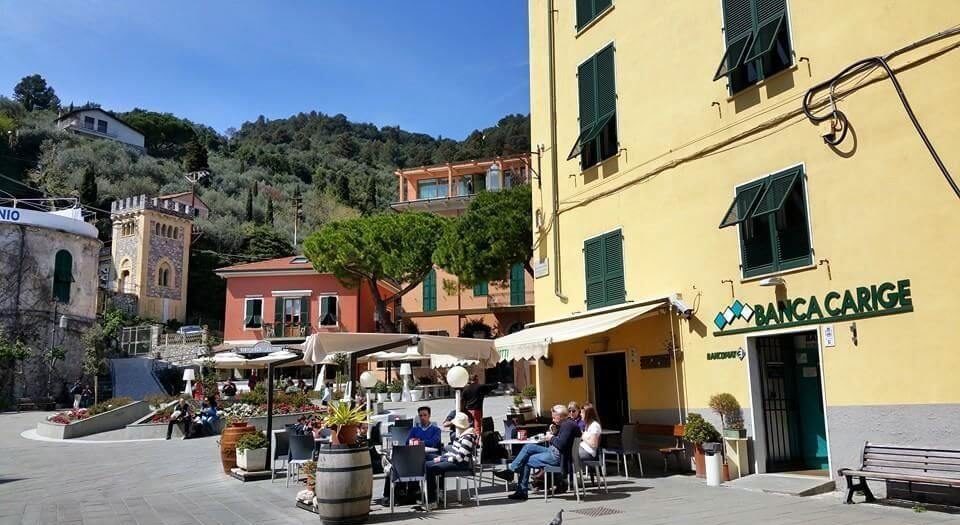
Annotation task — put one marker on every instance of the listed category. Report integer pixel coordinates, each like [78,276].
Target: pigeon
[558,519]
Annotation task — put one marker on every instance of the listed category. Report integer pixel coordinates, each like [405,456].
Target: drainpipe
[554,177]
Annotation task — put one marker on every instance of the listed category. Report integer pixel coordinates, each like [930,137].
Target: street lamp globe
[368,379]
[457,377]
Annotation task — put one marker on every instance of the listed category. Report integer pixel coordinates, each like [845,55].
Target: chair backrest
[405,423]
[630,439]
[509,429]
[486,425]
[575,455]
[281,446]
[301,447]
[408,460]
[291,429]
[400,435]
[375,435]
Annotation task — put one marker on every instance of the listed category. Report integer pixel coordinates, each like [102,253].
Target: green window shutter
[737,19]
[745,201]
[766,37]
[734,56]
[278,310]
[586,81]
[481,289]
[614,285]
[776,191]
[305,311]
[62,276]
[517,285]
[606,82]
[584,12]
[430,291]
[768,9]
[593,268]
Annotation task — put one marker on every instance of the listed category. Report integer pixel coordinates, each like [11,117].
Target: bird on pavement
[558,519]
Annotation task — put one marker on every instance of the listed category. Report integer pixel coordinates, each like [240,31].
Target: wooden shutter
[586,79]
[606,84]
[593,268]
[517,285]
[584,12]
[430,291]
[62,276]
[769,9]
[305,311]
[614,285]
[737,19]
[278,310]
[777,190]
[743,204]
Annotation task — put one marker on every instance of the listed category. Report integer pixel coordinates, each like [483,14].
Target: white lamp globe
[189,375]
[405,369]
[368,379]
[457,377]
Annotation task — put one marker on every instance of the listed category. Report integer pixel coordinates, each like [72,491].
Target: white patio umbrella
[226,360]
[273,357]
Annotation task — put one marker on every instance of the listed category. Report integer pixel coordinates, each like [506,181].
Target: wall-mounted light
[63,322]
[773,281]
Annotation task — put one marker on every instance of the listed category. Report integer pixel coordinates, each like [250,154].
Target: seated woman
[209,417]
[590,440]
[457,456]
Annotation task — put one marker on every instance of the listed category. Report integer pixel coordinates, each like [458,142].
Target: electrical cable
[868,65]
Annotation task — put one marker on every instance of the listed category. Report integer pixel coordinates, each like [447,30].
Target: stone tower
[151,254]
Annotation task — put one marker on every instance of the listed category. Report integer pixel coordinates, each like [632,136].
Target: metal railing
[285,330]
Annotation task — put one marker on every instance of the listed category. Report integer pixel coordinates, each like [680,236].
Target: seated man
[183,417]
[425,431]
[539,456]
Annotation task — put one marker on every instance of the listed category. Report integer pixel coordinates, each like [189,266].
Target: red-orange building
[284,300]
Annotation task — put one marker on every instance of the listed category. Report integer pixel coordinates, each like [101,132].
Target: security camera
[683,310]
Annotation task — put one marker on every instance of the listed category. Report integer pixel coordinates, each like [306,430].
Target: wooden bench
[678,451]
[930,466]
[40,403]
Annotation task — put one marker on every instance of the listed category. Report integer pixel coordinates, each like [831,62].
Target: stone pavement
[180,482]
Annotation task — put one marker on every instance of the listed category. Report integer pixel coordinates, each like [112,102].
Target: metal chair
[584,465]
[301,451]
[400,435]
[629,446]
[486,424]
[549,471]
[492,468]
[408,464]
[469,473]
[281,449]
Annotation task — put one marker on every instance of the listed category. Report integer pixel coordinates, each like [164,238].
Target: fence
[138,340]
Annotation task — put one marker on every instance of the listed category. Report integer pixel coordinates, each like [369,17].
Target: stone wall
[168,250]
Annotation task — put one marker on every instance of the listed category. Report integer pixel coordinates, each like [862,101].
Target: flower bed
[69,416]
[83,422]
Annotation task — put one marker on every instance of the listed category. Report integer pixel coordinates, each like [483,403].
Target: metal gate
[780,414]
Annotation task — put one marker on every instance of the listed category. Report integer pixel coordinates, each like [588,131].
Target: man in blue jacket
[559,445]
[425,430]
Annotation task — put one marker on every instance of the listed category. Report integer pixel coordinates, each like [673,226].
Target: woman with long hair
[590,439]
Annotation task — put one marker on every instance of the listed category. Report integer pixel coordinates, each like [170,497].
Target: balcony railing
[505,299]
[286,330]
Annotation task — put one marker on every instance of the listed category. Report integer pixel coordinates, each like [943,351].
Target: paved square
[180,482]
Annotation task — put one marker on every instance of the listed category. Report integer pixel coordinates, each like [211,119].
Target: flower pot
[416,395]
[346,435]
[228,443]
[382,397]
[395,396]
[699,461]
[732,433]
[252,459]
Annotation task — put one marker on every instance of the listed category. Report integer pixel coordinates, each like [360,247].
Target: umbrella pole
[270,414]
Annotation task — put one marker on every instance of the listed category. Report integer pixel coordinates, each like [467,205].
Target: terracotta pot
[238,424]
[725,472]
[228,443]
[699,461]
[346,435]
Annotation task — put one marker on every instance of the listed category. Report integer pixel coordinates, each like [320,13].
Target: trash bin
[713,460]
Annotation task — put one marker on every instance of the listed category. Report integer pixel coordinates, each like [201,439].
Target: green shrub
[529,392]
[396,386]
[251,441]
[257,396]
[698,430]
[109,404]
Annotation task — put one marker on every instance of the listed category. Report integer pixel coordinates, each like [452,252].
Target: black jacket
[563,441]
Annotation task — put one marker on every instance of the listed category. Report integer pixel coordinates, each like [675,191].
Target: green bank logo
[735,311]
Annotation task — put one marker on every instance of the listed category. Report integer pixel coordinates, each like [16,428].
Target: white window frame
[246,301]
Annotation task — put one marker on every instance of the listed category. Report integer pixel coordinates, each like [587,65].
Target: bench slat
[914,454]
[871,467]
[902,477]
[909,450]
[912,463]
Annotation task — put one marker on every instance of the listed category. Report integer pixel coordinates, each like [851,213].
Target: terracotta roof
[283,263]
[182,194]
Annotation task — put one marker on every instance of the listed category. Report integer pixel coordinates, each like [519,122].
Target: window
[299,260]
[598,110]
[62,276]
[588,10]
[163,275]
[101,126]
[517,285]
[175,232]
[481,289]
[88,123]
[253,312]
[771,215]
[328,310]
[291,316]
[430,291]
[156,227]
[432,189]
[758,42]
[603,265]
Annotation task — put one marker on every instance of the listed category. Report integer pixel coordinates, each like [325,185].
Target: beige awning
[318,346]
[447,361]
[534,341]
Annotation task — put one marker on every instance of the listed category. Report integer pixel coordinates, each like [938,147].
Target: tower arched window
[163,275]
[156,228]
[175,230]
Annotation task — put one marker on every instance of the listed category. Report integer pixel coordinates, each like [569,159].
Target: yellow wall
[880,211]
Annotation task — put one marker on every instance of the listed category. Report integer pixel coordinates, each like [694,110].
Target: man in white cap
[456,456]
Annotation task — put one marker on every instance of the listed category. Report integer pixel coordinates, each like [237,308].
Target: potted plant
[345,421]
[252,452]
[382,391]
[731,420]
[529,392]
[396,390]
[415,393]
[310,471]
[699,431]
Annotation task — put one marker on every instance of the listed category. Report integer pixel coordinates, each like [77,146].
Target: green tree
[33,93]
[491,236]
[248,214]
[263,242]
[88,187]
[165,135]
[370,198]
[343,188]
[269,211]
[397,247]
[195,158]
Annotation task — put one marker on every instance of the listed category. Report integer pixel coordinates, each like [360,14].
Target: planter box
[278,420]
[382,397]
[395,397]
[110,420]
[252,460]
[416,395]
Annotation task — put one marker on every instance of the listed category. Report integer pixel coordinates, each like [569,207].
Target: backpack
[491,452]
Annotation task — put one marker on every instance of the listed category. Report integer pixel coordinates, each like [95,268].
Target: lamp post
[406,372]
[189,375]
[368,380]
[457,378]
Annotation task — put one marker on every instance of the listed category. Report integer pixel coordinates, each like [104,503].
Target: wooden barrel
[344,484]
[228,443]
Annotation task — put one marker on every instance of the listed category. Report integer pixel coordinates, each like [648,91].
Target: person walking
[472,400]
[86,397]
[77,392]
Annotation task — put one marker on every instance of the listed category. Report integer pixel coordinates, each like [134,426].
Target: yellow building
[702,237]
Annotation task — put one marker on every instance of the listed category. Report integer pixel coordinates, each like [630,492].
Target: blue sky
[443,67]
